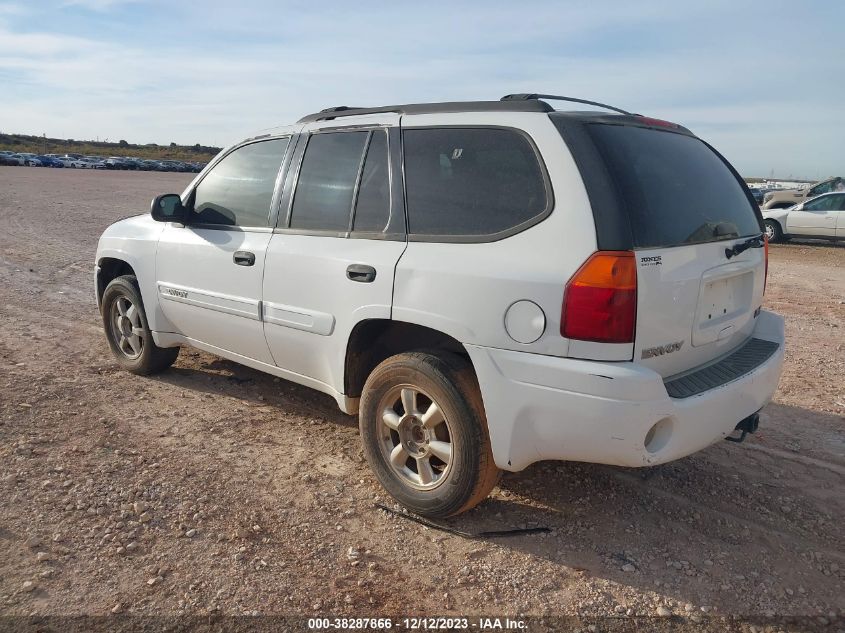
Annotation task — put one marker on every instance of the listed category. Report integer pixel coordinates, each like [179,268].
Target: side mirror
[168,208]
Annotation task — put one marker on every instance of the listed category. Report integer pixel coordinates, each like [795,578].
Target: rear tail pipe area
[745,426]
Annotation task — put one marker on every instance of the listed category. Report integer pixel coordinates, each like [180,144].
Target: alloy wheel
[127,330]
[415,437]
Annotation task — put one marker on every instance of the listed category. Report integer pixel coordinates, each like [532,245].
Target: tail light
[600,300]
[656,122]
[766,250]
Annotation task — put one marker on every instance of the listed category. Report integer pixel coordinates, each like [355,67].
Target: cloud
[96,5]
[11,8]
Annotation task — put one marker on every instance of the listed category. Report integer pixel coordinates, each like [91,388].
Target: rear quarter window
[472,183]
[674,188]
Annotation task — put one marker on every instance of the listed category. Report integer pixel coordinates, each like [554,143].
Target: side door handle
[361,272]
[244,258]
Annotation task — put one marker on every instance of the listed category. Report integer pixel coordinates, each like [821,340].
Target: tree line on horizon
[45,145]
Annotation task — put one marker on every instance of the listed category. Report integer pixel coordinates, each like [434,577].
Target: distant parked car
[785,198]
[50,161]
[57,157]
[131,163]
[89,162]
[28,159]
[69,161]
[86,162]
[757,193]
[113,162]
[822,217]
[7,160]
[175,165]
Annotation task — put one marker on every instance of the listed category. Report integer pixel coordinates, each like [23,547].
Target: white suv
[486,284]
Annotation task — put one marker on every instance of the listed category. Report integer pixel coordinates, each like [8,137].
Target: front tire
[128,332]
[425,433]
[773,231]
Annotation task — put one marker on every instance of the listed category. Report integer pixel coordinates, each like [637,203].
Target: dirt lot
[215,488]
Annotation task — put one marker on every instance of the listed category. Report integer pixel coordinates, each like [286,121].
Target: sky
[763,81]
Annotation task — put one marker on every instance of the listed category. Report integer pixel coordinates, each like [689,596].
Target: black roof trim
[536,97]
[618,119]
[431,108]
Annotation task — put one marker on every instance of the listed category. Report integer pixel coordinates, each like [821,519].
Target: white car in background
[822,217]
[90,163]
[71,161]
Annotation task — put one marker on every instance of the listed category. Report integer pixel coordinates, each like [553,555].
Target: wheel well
[375,340]
[110,268]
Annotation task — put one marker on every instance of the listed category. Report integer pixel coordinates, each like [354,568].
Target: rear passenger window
[238,190]
[372,209]
[323,198]
[471,181]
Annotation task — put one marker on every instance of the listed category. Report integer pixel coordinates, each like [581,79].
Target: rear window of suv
[675,189]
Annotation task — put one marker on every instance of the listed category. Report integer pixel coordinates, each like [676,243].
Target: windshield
[676,190]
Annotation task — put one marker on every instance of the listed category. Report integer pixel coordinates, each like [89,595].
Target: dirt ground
[215,488]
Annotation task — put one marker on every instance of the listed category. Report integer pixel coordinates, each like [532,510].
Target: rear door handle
[244,258]
[361,272]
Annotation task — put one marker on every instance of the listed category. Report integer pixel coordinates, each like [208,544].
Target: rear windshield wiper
[753,242]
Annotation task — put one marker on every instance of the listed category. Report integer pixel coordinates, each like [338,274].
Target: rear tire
[425,435]
[773,231]
[127,331]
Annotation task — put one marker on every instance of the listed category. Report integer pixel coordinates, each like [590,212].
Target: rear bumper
[545,407]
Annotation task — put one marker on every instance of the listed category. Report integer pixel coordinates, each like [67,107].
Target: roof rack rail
[340,109]
[534,96]
[514,105]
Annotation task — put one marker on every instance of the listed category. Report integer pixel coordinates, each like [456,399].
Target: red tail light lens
[657,122]
[766,249]
[600,301]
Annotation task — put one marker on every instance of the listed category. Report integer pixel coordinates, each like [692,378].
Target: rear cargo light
[766,250]
[600,300]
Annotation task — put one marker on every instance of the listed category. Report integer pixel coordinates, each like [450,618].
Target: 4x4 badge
[660,350]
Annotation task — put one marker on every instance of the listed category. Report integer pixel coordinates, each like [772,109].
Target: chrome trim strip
[227,304]
[298,318]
